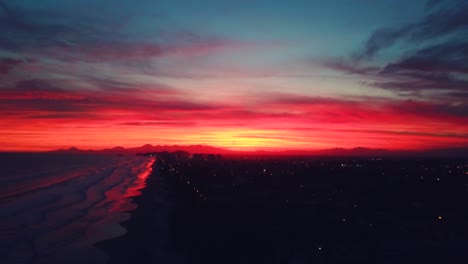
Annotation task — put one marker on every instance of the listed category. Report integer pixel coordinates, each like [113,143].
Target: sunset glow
[243,75]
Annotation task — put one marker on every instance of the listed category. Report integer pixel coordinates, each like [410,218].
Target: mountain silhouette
[333,152]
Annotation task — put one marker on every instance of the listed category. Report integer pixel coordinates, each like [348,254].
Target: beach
[55,207]
[147,237]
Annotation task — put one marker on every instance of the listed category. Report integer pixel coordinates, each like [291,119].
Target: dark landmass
[335,152]
[214,209]
[149,148]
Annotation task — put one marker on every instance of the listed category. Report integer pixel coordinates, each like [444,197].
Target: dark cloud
[460,110]
[300,100]
[444,21]
[38,95]
[73,37]
[25,29]
[36,85]
[107,51]
[435,57]
[417,81]
[40,104]
[441,58]
[459,94]
[6,64]
[128,52]
[363,107]
[122,86]
[349,68]
[380,39]
[436,67]
[435,109]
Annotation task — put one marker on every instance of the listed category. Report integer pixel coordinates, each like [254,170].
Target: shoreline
[86,249]
[150,217]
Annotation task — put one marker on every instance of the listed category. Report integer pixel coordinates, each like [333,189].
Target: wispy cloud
[449,18]
[433,54]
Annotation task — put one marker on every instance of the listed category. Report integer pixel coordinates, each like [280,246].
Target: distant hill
[150,148]
[334,152]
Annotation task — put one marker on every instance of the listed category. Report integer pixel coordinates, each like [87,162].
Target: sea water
[54,207]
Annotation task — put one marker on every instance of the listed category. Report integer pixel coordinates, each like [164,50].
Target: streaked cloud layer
[242,75]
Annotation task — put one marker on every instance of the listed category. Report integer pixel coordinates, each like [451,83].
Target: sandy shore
[147,236]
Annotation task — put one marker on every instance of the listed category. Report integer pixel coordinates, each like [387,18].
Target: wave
[58,214]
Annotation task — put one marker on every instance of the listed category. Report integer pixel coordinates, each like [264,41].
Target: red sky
[246,75]
[41,119]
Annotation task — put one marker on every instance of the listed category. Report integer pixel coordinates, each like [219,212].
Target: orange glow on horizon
[278,122]
[174,80]
[232,139]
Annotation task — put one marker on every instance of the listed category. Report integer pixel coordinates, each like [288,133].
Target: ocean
[54,207]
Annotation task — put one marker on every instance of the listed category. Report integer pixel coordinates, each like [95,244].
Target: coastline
[139,243]
[85,250]
[55,208]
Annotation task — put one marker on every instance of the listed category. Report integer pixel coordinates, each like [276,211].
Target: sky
[243,75]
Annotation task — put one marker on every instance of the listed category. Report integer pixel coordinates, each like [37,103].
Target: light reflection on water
[55,213]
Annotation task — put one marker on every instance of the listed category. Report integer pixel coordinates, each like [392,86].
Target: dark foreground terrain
[211,209]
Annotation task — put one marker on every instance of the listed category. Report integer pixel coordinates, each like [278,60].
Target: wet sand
[147,236]
[53,207]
